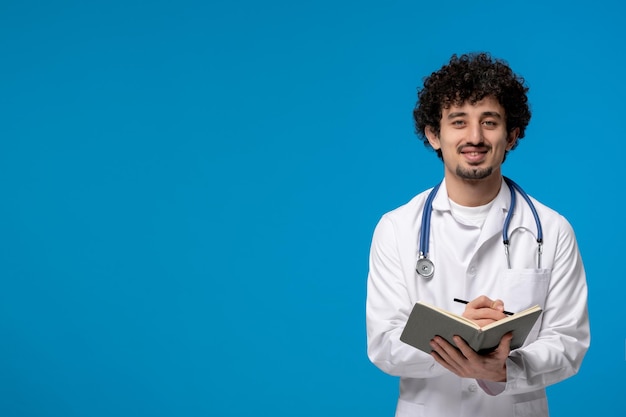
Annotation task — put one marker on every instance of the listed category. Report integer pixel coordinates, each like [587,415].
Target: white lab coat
[466,269]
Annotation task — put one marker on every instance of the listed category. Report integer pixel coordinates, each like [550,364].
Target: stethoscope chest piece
[425,267]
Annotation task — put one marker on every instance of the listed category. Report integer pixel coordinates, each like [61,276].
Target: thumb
[505,343]
[498,305]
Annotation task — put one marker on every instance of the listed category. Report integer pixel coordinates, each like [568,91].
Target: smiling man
[472,112]
[473,140]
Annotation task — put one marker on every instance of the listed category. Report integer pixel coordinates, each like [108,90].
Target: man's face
[473,139]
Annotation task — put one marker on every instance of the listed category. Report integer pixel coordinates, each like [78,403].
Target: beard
[474,173]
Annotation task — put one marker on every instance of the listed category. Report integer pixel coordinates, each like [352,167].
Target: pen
[458,300]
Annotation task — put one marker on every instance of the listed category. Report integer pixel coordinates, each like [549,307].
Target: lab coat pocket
[523,288]
[409,409]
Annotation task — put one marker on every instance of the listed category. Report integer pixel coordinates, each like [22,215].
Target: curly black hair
[470,78]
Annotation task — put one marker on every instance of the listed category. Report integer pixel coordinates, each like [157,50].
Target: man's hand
[483,310]
[466,363]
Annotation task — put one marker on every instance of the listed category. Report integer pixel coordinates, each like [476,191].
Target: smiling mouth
[474,150]
[474,156]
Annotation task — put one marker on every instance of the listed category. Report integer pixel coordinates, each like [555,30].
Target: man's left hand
[466,363]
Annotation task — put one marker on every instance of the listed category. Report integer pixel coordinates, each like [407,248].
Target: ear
[432,137]
[512,139]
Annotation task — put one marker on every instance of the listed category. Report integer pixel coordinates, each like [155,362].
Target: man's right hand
[483,310]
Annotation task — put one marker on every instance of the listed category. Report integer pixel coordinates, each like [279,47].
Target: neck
[473,193]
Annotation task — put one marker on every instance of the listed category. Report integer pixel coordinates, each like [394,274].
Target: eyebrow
[483,114]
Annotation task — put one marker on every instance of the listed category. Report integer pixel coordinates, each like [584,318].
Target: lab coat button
[472,388]
[472,271]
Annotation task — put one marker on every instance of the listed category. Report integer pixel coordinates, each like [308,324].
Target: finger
[484,314]
[498,305]
[445,349]
[480,302]
[504,347]
[450,366]
[465,349]
[443,352]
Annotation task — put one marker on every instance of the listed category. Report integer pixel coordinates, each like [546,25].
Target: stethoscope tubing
[505,236]
[424,237]
[425,266]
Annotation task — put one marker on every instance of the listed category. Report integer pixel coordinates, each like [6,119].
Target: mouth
[474,155]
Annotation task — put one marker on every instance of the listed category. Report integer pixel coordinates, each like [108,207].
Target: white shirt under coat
[469,262]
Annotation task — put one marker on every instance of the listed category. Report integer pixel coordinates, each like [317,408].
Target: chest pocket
[523,288]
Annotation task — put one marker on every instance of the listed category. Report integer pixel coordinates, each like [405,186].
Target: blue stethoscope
[425,266]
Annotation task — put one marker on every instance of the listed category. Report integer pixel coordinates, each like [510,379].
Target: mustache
[481,146]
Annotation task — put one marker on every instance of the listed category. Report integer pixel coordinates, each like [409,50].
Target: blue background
[188,192]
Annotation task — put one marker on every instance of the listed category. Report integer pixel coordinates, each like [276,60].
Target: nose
[475,134]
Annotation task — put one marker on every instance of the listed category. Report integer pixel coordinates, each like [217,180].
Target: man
[472,112]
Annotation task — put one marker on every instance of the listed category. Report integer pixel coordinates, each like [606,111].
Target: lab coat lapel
[495,218]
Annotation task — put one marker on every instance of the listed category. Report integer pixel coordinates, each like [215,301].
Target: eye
[490,123]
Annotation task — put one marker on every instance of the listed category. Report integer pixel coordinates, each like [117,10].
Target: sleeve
[387,310]
[564,335]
